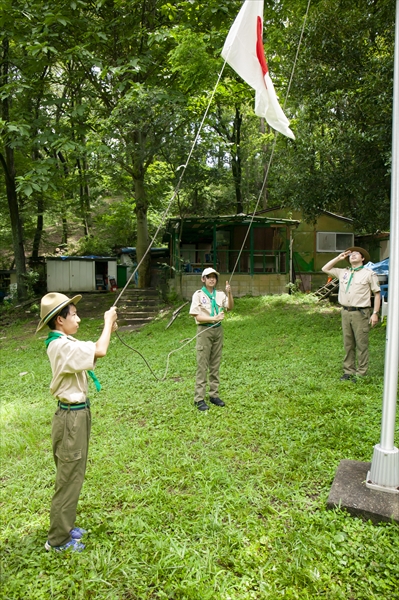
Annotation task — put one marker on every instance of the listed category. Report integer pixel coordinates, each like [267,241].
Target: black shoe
[201,405]
[347,377]
[217,401]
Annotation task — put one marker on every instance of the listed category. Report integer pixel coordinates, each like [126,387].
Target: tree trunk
[236,162]
[142,233]
[39,219]
[265,150]
[65,232]
[9,171]
[39,228]
[84,194]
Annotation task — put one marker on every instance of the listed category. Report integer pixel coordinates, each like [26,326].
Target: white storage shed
[80,273]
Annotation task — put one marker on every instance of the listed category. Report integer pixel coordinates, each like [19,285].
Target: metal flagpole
[384,472]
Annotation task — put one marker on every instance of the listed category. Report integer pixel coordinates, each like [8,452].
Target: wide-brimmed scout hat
[362,251]
[208,271]
[52,304]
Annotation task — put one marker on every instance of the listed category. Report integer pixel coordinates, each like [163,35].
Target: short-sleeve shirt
[69,360]
[201,303]
[363,283]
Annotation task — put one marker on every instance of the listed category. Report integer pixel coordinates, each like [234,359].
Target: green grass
[226,505]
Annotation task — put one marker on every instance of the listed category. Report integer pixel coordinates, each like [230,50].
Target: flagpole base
[384,472]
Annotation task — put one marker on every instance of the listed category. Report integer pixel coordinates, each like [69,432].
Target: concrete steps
[137,307]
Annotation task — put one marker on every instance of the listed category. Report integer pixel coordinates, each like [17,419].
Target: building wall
[377,246]
[261,284]
[308,262]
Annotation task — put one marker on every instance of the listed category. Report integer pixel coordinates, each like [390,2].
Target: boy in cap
[207,307]
[356,284]
[71,361]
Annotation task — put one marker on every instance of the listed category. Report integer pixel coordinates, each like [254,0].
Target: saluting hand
[344,255]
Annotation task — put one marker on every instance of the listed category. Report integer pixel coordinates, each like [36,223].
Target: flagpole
[384,472]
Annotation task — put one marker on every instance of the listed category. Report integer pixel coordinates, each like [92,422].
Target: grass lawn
[224,505]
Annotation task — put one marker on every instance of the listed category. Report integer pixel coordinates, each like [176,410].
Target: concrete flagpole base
[384,472]
[349,492]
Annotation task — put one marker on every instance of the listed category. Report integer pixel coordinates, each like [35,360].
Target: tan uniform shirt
[69,360]
[363,283]
[201,303]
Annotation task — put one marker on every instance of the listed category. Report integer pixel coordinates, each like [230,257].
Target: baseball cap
[208,271]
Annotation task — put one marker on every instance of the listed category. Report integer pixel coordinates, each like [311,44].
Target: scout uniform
[70,361]
[209,342]
[355,287]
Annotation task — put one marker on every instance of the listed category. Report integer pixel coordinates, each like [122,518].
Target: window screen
[333,242]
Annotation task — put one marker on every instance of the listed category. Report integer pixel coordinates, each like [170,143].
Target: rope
[273,147]
[178,187]
[297,52]
[169,355]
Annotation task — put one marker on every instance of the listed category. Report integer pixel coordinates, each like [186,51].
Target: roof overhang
[204,225]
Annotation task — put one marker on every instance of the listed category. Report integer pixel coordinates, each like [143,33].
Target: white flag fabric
[243,51]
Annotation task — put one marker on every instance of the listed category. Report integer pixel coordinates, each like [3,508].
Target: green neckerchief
[54,335]
[350,278]
[212,298]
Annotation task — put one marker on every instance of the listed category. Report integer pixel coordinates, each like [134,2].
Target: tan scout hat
[362,251]
[208,271]
[52,304]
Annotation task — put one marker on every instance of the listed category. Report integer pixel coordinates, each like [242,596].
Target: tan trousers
[70,436]
[209,355]
[355,331]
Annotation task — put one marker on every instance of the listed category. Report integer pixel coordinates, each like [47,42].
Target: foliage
[343,90]
[294,288]
[92,245]
[105,100]
[32,277]
[229,505]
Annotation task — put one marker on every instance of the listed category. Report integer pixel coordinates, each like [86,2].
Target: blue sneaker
[77,533]
[74,545]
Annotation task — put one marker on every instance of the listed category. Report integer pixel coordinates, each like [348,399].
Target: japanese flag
[243,51]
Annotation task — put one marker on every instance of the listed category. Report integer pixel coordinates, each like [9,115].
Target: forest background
[101,101]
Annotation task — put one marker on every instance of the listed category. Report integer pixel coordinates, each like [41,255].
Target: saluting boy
[207,307]
[71,361]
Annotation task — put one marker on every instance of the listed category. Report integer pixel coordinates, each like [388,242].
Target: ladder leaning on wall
[326,290]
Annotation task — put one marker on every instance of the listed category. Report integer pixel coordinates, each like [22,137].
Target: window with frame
[328,241]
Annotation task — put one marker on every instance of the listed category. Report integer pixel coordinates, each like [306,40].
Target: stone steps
[136,307]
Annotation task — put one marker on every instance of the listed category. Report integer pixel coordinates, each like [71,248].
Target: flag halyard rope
[273,146]
[178,187]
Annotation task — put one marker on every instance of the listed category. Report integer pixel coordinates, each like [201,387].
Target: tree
[343,89]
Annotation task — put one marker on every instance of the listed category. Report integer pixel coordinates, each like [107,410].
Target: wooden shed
[254,253]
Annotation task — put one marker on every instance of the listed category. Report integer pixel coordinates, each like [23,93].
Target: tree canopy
[101,102]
